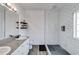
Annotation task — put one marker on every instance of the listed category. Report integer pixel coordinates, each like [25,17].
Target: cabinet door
[18,51]
[23,49]
[36,27]
[26,47]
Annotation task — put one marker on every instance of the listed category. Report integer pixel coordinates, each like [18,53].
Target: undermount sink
[4,50]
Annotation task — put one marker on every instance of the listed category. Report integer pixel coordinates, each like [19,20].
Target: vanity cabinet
[23,49]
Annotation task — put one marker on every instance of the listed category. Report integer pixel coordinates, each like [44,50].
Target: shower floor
[37,51]
[54,50]
[57,50]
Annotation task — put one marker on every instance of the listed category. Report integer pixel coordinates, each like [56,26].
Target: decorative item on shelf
[15,36]
[62,28]
[23,24]
[17,25]
[17,22]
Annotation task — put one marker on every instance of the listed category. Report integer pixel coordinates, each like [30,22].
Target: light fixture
[9,6]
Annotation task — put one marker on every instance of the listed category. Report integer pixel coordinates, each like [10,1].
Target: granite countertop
[11,42]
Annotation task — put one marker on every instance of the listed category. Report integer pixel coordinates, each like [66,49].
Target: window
[76,24]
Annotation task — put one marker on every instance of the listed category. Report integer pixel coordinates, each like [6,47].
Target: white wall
[66,38]
[36,26]
[43,26]
[51,30]
[10,23]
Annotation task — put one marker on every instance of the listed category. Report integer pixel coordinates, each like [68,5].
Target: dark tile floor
[54,49]
[35,51]
[57,50]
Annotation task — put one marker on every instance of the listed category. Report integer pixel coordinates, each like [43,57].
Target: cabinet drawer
[23,49]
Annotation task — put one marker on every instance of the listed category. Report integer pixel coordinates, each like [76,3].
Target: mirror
[8,21]
[2,31]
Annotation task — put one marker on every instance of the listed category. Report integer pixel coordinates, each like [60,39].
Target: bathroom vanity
[23,49]
[18,47]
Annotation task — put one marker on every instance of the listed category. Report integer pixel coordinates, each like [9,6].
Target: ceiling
[39,6]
